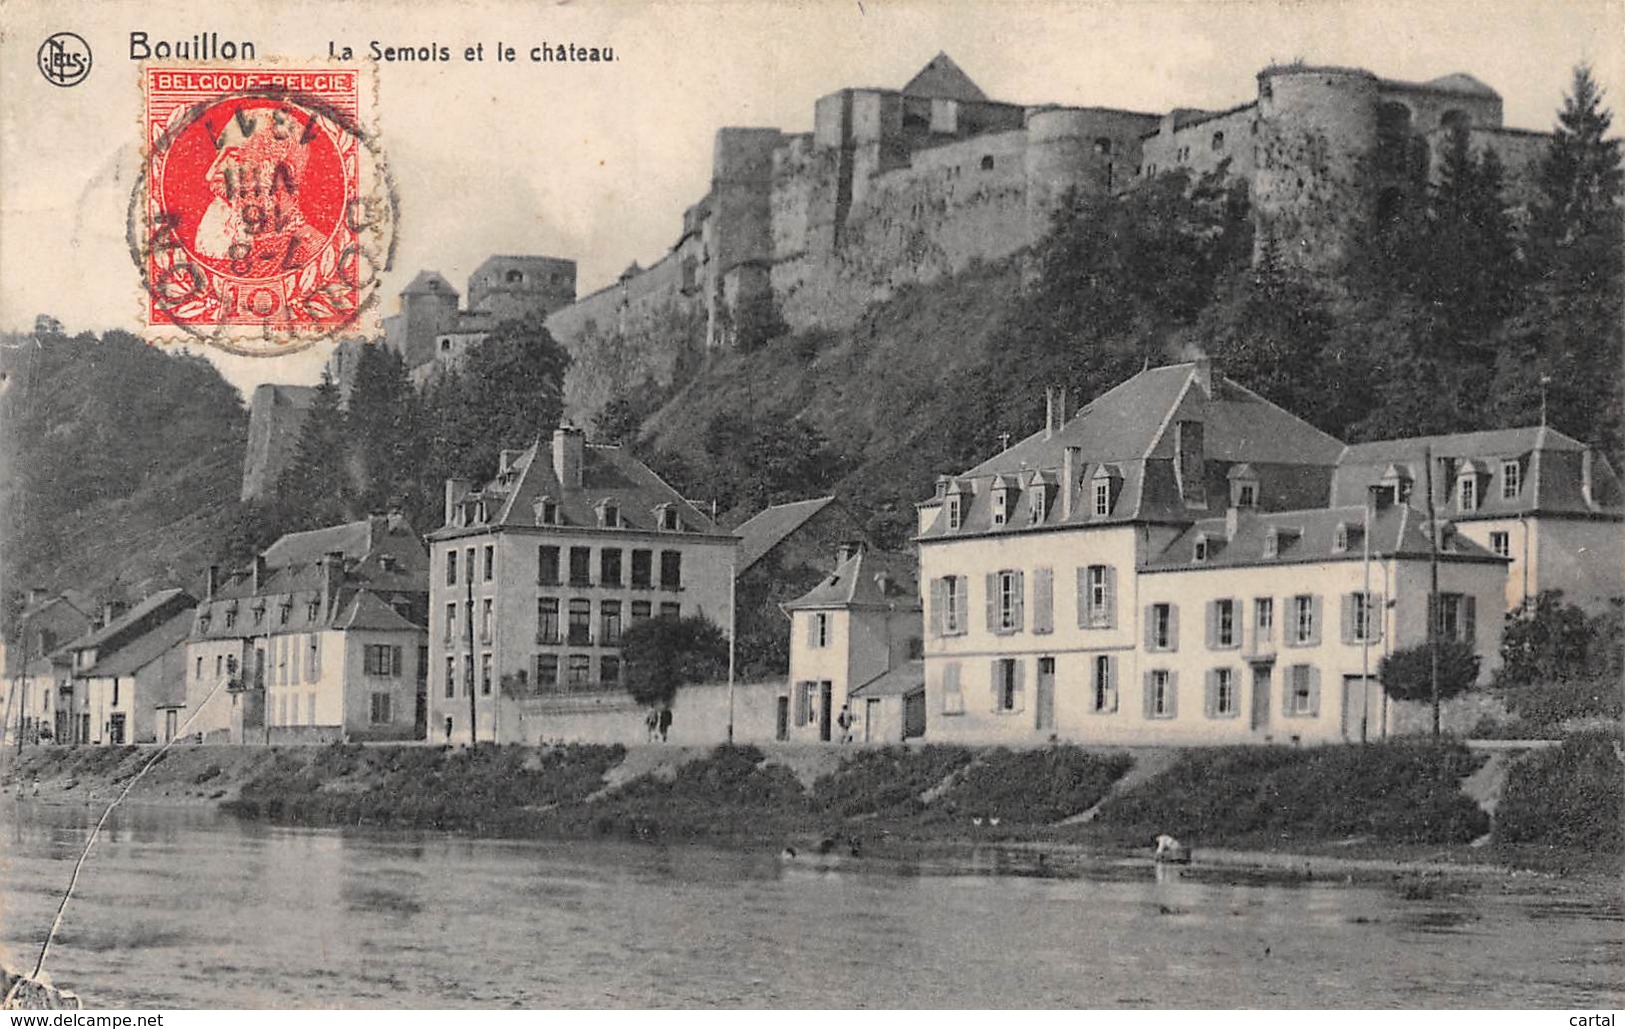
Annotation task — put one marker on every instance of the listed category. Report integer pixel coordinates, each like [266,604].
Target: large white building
[1167,567]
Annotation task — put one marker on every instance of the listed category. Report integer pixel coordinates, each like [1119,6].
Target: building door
[781,729]
[84,729]
[826,696]
[1046,693]
[871,720]
[914,715]
[1361,694]
[115,730]
[1261,698]
[170,724]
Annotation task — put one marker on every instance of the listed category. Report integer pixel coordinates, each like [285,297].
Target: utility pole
[1365,617]
[732,629]
[1433,593]
[468,676]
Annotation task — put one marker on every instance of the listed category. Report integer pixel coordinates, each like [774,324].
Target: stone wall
[276,414]
[699,716]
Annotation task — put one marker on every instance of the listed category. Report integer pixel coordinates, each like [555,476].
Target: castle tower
[428,308]
[741,227]
[508,286]
[1313,184]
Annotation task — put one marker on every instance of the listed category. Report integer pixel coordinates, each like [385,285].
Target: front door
[781,729]
[871,720]
[1261,698]
[826,694]
[914,715]
[170,724]
[115,730]
[1046,693]
[1361,716]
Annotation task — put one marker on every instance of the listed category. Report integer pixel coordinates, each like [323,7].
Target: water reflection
[187,908]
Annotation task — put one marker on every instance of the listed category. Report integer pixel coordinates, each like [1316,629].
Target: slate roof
[1551,472]
[856,582]
[608,473]
[1309,536]
[120,626]
[906,678]
[942,79]
[144,649]
[769,527]
[1127,434]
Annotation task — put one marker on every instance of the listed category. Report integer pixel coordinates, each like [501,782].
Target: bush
[1545,706]
[1400,792]
[1550,641]
[888,781]
[1034,787]
[1567,796]
[1407,674]
[730,792]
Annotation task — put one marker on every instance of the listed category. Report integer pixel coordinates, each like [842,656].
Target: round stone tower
[1311,191]
[1062,154]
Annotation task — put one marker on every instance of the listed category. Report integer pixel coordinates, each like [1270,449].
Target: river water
[185,908]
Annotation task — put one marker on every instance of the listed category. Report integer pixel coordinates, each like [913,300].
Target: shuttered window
[1304,630]
[1221,625]
[1005,602]
[1162,627]
[1302,691]
[1362,617]
[1006,678]
[1221,700]
[1097,597]
[1103,685]
[953,694]
[1161,694]
[1043,600]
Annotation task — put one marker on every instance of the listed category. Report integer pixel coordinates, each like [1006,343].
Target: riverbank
[1397,809]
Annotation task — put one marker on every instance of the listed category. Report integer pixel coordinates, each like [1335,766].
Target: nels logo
[64,59]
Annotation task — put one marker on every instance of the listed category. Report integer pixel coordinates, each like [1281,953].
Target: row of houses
[1180,561]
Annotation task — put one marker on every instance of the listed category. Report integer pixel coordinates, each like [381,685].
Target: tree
[1549,641]
[508,393]
[662,654]
[1577,223]
[315,489]
[1406,674]
[1470,267]
[385,430]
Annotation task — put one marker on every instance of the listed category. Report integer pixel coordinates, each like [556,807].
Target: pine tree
[316,490]
[385,427]
[1471,268]
[1577,226]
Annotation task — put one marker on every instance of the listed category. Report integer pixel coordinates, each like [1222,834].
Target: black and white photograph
[825,506]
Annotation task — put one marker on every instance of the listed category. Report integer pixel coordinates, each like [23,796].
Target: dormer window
[1467,492]
[203,623]
[546,510]
[1511,479]
[231,618]
[667,519]
[1001,505]
[609,515]
[283,610]
[1199,553]
[1243,486]
[955,512]
[1272,543]
[1340,538]
[1039,506]
[312,609]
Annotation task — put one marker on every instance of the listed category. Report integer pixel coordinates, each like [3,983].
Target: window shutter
[1314,620]
[1379,615]
[1210,694]
[1173,626]
[1111,683]
[939,600]
[1433,615]
[1149,704]
[1110,613]
[1173,695]
[1019,675]
[1150,626]
[1349,609]
[812,629]
[1044,600]
[993,683]
[801,703]
[1314,691]
[952,697]
[1018,588]
[1469,618]
[1213,625]
[1083,597]
[395,660]
[992,601]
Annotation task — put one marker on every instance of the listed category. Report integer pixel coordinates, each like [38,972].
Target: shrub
[1402,792]
[1569,796]
[888,781]
[1407,674]
[1034,787]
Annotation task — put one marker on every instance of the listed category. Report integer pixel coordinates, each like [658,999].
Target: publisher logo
[64,59]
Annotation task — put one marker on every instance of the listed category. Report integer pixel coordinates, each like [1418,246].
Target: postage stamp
[263,214]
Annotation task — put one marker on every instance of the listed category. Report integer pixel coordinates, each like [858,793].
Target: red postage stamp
[261,229]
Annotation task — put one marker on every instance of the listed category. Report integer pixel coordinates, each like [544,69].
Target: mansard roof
[608,473]
[1553,469]
[942,79]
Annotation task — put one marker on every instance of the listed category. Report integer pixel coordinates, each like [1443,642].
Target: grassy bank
[1400,800]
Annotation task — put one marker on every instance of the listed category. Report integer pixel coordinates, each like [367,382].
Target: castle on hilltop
[901,186]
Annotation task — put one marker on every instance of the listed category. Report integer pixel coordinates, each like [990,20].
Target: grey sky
[597,162]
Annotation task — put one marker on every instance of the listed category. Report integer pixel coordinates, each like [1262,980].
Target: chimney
[110,611]
[942,485]
[1190,462]
[1204,374]
[1587,482]
[395,519]
[36,595]
[456,490]
[1049,411]
[261,573]
[569,446]
[1069,478]
[848,550]
[212,585]
[1232,522]
[332,576]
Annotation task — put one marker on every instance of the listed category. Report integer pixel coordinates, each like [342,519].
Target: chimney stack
[36,595]
[456,490]
[109,612]
[1204,374]
[332,577]
[847,550]
[396,521]
[212,585]
[1069,478]
[1587,480]
[261,574]
[569,448]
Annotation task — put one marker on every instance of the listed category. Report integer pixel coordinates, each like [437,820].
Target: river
[187,908]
